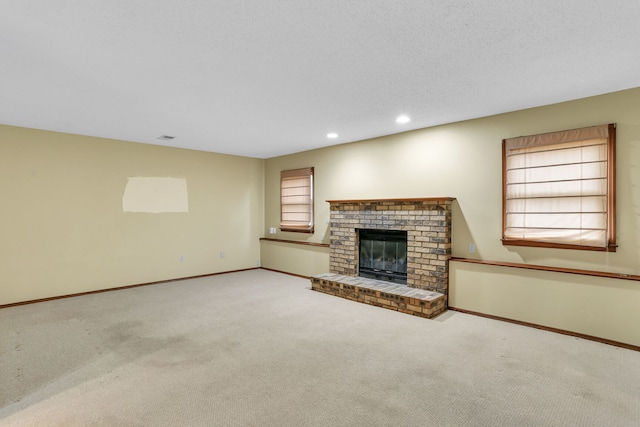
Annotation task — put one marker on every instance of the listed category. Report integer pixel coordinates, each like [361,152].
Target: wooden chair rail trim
[593,273]
[296,242]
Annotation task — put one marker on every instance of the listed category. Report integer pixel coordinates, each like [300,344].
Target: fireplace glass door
[383,255]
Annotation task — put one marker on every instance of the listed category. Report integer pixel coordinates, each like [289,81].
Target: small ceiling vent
[166,137]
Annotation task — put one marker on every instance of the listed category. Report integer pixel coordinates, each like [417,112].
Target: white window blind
[296,200]
[557,188]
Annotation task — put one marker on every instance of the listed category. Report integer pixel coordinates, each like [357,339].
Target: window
[559,189]
[296,200]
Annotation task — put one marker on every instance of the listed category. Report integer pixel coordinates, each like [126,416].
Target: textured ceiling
[264,78]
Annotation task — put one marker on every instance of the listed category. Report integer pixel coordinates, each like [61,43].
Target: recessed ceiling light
[166,137]
[332,135]
[403,119]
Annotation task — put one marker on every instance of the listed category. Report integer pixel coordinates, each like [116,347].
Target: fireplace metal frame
[396,272]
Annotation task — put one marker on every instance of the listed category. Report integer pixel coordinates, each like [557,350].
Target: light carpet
[259,348]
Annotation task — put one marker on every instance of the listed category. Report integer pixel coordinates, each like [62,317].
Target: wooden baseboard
[286,272]
[547,328]
[14,304]
[504,319]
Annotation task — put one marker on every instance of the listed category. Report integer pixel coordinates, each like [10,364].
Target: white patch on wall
[155,195]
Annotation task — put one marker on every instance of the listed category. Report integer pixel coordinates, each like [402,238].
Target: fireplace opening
[383,255]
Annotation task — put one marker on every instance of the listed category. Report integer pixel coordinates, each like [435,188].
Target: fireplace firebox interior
[383,255]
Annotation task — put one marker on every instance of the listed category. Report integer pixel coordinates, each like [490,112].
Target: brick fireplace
[427,222]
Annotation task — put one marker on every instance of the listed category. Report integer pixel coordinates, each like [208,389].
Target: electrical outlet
[257,263]
[181,258]
[221,254]
[472,248]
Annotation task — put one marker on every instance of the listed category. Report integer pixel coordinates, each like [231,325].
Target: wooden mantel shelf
[416,199]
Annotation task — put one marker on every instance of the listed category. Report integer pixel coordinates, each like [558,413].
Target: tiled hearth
[427,222]
[382,294]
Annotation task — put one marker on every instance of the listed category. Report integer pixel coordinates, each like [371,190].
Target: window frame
[301,227]
[610,243]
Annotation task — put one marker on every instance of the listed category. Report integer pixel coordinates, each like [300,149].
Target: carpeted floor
[258,348]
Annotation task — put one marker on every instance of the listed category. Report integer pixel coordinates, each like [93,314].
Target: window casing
[296,200]
[559,189]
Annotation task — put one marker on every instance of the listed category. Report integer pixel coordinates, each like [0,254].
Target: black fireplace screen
[383,255]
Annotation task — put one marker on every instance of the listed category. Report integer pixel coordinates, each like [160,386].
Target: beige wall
[463,160]
[604,308]
[63,229]
[302,260]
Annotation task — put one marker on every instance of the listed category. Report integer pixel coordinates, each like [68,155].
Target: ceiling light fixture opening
[332,135]
[166,137]
[403,119]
